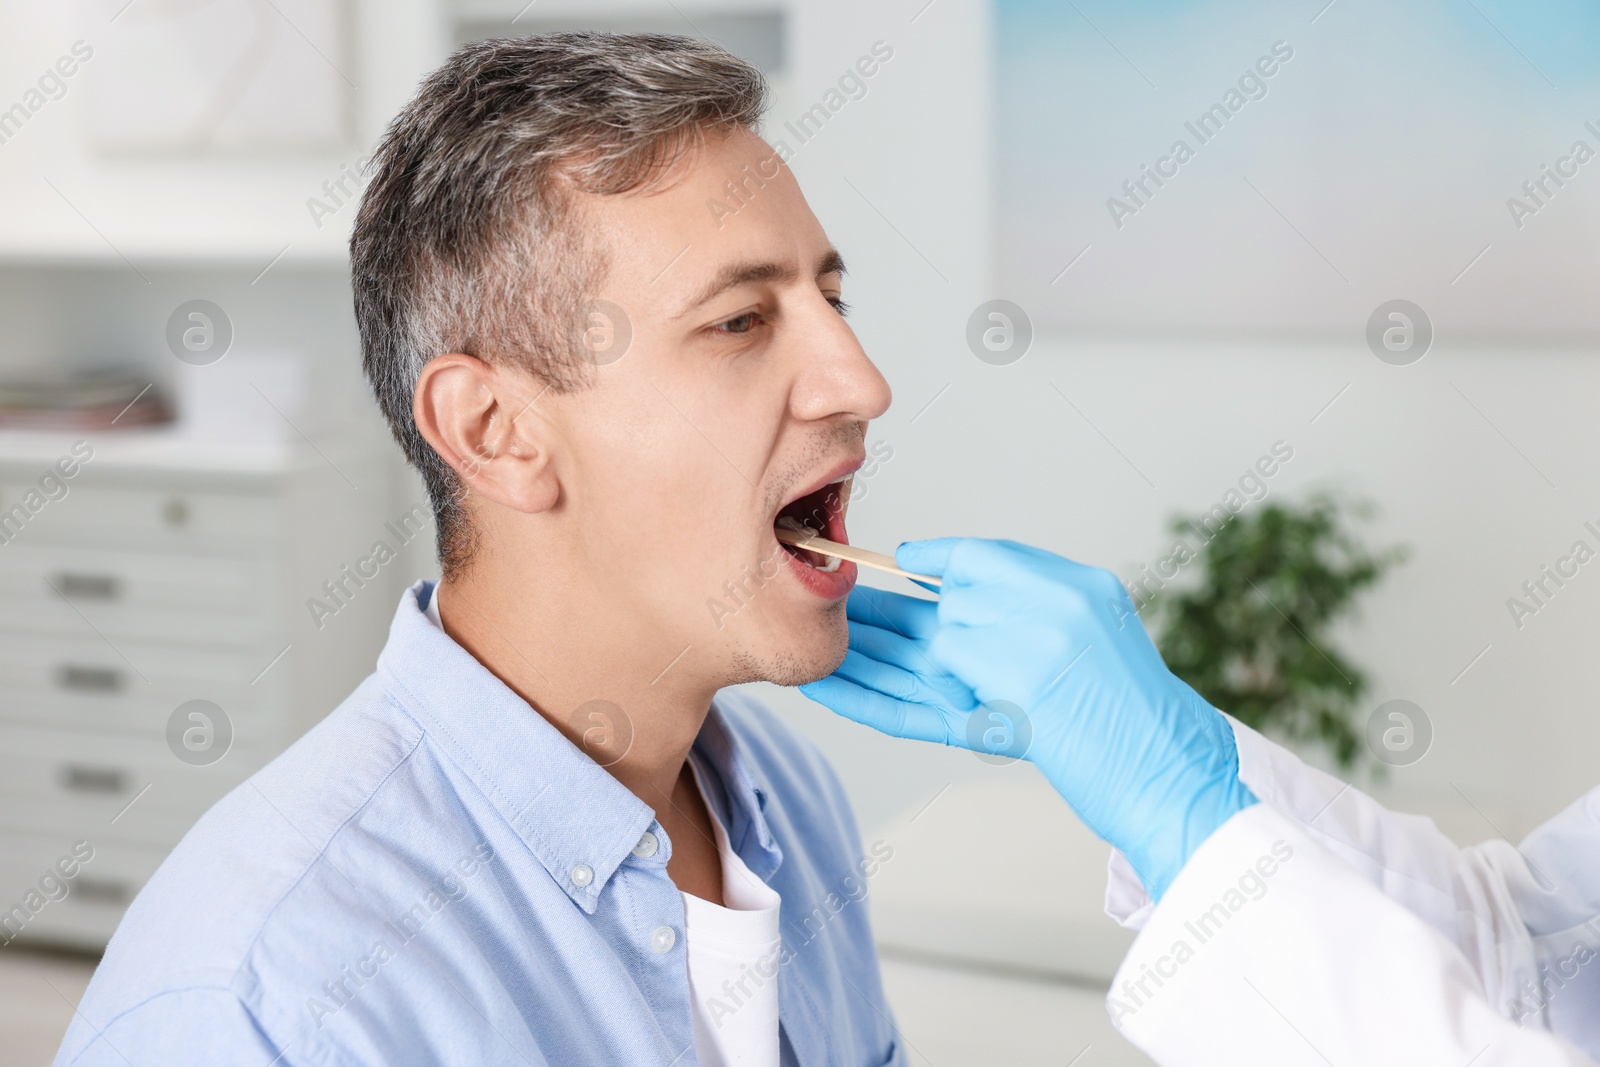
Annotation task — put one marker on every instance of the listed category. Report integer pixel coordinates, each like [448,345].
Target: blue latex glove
[1145,762]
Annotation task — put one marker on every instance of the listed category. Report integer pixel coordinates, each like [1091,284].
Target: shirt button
[582,875]
[663,939]
[647,846]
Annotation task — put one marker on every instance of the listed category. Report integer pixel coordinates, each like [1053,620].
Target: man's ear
[479,419]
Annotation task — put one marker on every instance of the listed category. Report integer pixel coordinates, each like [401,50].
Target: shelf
[159,448]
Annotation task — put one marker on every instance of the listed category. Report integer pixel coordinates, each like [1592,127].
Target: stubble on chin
[787,668]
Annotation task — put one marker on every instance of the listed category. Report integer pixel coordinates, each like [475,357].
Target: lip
[829,585]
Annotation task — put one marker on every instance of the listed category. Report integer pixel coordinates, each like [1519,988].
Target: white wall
[1378,164]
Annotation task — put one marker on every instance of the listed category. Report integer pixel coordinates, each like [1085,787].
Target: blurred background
[1369,267]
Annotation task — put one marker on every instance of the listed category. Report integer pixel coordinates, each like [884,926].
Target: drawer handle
[89,679]
[80,779]
[90,890]
[79,586]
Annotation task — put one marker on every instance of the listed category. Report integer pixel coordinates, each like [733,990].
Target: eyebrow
[736,274]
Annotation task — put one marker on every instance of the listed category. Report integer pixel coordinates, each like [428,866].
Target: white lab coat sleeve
[1527,921]
[1269,950]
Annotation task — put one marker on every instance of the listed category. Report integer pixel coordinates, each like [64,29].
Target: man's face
[741,401]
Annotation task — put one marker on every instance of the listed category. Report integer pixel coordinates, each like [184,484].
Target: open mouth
[822,512]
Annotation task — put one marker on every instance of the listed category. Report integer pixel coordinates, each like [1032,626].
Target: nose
[836,377]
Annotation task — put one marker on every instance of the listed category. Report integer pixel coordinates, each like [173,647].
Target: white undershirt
[733,955]
[733,962]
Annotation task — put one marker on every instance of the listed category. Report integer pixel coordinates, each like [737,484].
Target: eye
[739,323]
[840,306]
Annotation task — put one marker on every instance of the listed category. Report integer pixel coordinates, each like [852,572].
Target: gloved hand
[1145,762]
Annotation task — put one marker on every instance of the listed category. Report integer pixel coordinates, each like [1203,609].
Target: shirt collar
[563,805]
[736,800]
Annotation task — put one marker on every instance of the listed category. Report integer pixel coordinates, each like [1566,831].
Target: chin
[796,662]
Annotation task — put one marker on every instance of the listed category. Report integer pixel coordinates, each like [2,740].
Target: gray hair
[468,239]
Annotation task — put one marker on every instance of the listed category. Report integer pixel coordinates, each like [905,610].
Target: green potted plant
[1250,632]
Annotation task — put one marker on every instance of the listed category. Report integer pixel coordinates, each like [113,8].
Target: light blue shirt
[435,875]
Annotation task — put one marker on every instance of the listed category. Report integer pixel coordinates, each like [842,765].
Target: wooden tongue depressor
[813,542]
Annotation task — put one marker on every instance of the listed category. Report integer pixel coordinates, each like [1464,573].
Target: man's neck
[625,697]
[563,665]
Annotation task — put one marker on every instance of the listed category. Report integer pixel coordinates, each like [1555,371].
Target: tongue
[813,559]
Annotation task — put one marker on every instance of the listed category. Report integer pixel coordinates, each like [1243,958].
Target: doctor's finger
[897,718]
[1000,664]
[890,647]
[927,557]
[912,616]
[911,656]
[901,684]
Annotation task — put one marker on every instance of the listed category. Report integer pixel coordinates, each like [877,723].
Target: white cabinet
[165,574]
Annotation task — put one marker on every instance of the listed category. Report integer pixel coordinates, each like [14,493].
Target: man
[1285,917]
[539,833]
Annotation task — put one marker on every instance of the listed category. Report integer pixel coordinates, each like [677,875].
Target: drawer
[96,896]
[91,668]
[50,614]
[140,709]
[141,824]
[114,516]
[87,779]
[95,577]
